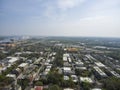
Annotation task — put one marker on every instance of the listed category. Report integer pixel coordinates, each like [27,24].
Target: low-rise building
[99,64]
[86,79]
[12,60]
[96,89]
[67,71]
[68,89]
[66,78]
[74,78]
[99,73]
[23,66]
[79,64]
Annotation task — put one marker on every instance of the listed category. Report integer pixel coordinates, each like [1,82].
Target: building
[23,66]
[74,78]
[67,71]
[68,89]
[38,88]
[79,64]
[99,73]
[66,78]
[81,68]
[86,79]
[96,89]
[114,74]
[99,64]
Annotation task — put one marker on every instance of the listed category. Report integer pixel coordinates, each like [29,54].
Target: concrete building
[74,78]
[12,60]
[68,89]
[99,73]
[99,64]
[67,71]
[86,79]
[66,78]
[79,64]
[23,66]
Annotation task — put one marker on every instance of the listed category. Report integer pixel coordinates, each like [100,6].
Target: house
[23,66]
[66,69]
[68,89]
[86,79]
[81,68]
[74,78]
[66,64]
[66,78]
[79,64]
[96,89]
[37,88]
[12,60]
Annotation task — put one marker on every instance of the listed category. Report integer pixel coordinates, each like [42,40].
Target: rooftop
[23,64]
[100,71]
[86,79]
[12,59]
[66,68]
[99,64]
[68,89]
[66,78]
[38,88]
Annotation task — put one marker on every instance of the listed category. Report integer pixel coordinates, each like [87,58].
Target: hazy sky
[60,17]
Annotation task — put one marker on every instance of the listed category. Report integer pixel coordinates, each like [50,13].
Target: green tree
[4,81]
[23,83]
[112,83]
[38,83]
[54,87]
[86,85]
[55,78]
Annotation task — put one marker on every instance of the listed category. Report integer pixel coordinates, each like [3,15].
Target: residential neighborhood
[55,65]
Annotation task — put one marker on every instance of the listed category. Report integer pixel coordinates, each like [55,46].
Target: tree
[68,83]
[54,87]
[112,83]
[77,72]
[84,73]
[4,81]
[23,83]
[2,55]
[86,85]
[54,77]
[38,83]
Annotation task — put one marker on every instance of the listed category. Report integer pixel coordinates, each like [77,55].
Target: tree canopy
[112,83]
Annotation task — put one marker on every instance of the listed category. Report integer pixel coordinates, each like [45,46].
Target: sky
[99,18]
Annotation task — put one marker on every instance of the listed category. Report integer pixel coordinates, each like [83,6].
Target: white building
[23,65]
[67,70]
[65,57]
[99,64]
[66,78]
[74,78]
[12,60]
[99,72]
[86,79]
[68,89]
[80,64]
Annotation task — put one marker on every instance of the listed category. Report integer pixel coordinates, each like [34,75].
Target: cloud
[103,7]
[58,9]
[66,4]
